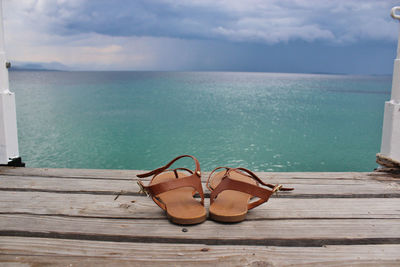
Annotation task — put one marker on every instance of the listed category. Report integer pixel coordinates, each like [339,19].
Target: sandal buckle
[142,189]
[277,188]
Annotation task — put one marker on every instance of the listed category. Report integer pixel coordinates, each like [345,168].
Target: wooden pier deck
[72,217]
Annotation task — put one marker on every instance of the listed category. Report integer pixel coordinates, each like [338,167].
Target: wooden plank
[74,173]
[42,203]
[315,232]
[129,174]
[315,187]
[270,179]
[66,185]
[63,252]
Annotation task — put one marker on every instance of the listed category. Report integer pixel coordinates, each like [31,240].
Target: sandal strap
[165,167]
[209,177]
[255,177]
[159,188]
[193,180]
[254,190]
[247,173]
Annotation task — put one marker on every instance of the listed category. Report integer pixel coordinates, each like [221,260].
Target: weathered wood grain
[67,185]
[315,232]
[340,184]
[67,216]
[73,173]
[129,174]
[63,252]
[313,187]
[42,203]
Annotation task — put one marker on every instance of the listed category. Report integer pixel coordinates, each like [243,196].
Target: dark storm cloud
[340,36]
[249,21]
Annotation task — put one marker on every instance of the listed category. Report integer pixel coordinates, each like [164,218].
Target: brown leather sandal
[173,191]
[231,190]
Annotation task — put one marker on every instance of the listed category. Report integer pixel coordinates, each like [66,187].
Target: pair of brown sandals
[231,191]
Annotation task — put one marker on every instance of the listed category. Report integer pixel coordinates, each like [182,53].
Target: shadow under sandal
[174,190]
[231,190]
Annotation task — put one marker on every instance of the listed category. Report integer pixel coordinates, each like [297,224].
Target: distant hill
[38,66]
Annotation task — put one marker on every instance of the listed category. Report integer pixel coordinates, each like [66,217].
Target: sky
[301,36]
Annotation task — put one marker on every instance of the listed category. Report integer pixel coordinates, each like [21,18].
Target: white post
[9,154]
[390,147]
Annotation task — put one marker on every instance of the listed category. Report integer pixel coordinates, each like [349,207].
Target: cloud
[197,34]
[268,21]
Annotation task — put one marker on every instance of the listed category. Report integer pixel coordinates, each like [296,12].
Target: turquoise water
[141,120]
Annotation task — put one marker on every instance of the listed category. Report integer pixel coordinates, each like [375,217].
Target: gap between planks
[207,194]
[294,242]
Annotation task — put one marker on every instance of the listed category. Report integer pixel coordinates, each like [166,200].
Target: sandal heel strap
[230,184]
[193,180]
[254,190]
[247,173]
[154,190]
[163,168]
[255,177]
[188,181]
[153,172]
[211,173]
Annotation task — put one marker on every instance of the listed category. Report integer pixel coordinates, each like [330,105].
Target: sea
[142,119]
